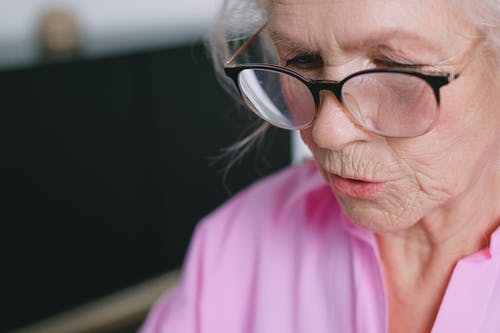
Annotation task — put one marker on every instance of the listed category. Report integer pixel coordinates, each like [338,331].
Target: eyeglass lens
[388,103]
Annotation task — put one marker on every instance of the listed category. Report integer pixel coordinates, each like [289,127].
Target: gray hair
[235,21]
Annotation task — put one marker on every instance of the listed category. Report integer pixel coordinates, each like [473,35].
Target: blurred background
[111,120]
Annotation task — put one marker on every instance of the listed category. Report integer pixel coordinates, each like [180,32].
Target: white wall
[107,25]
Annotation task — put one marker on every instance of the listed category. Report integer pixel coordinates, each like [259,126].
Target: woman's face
[392,183]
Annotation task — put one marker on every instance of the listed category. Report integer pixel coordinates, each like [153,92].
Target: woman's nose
[334,127]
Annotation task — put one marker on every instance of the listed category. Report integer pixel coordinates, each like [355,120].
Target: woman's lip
[355,188]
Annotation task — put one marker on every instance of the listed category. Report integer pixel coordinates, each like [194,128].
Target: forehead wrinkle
[323,27]
[293,28]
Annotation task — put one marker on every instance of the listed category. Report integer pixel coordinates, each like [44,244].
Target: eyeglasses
[389,102]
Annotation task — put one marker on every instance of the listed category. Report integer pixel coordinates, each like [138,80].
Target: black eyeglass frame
[315,86]
[435,80]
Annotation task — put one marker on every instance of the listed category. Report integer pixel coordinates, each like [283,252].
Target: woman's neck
[418,262]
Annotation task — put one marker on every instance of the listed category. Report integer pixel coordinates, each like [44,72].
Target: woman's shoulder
[242,258]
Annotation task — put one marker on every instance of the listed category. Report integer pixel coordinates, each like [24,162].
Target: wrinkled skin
[441,191]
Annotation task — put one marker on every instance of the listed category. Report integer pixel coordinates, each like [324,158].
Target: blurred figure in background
[59,36]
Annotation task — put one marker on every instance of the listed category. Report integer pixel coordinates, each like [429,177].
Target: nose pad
[363,120]
[334,126]
[353,106]
[353,110]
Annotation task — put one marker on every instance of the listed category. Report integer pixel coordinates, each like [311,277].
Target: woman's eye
[304,61]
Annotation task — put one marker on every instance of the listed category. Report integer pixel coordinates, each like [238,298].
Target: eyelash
[387,63]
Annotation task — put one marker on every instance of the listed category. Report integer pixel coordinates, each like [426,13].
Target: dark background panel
[107,165]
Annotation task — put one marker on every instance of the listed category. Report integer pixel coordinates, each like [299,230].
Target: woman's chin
[370,215]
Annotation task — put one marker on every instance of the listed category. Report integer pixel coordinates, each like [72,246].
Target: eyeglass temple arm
[244,46]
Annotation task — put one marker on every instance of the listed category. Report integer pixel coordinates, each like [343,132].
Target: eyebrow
[375,39]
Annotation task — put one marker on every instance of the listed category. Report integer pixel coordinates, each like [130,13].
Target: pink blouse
[281,258]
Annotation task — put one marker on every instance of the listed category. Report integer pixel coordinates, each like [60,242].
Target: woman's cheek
[400,205]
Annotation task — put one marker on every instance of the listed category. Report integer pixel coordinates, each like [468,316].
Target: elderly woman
[395,227]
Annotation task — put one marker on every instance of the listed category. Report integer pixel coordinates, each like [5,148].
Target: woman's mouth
[355,188]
